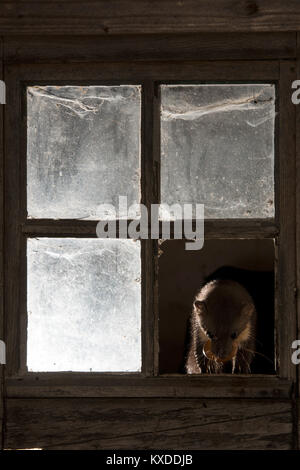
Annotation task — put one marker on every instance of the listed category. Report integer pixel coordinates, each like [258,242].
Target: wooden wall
[148,424]
[90,31]
[144,16]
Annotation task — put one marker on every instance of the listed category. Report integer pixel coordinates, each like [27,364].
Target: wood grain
[1,253]
[286,327]
[298,207]
[148,197]
[203,46]
[148,424]
[12,235]
[168,386]
[214,228]
[144,16]
[139,71]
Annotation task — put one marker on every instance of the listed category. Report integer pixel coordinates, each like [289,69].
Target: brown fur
[222,309]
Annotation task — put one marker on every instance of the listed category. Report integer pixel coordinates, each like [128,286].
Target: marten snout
[222,348]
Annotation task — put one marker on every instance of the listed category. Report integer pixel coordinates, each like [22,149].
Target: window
[218,148]
[83,305]
[83,295]
[157,105]
[83,149]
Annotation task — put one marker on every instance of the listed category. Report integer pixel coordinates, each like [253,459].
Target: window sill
[33,385]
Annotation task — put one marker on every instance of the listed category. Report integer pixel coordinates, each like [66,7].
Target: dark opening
[183,272]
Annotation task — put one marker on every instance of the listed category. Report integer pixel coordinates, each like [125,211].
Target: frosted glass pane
[217,148]
[84,305]
[83,149]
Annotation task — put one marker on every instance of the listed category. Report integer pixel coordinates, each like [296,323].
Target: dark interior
[181,275]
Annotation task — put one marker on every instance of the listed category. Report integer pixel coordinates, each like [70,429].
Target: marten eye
[210,335]
[234,335]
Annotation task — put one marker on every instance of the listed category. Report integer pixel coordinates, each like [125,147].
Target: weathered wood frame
[158,16]
[18,383]
[1,254]
[72,31]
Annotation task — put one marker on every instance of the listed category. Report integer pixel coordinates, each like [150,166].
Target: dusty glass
[217,148]
[84,305]
[83,150]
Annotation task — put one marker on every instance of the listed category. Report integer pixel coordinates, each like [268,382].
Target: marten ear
[247,310]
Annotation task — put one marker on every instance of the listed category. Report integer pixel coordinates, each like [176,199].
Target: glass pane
[83,149]
[217,148]
[84,305]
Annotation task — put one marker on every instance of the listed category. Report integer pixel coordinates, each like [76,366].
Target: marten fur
[223,317]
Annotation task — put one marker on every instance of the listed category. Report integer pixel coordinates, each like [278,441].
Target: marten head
[225,317]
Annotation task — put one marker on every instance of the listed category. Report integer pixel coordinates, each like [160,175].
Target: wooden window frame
[148,383]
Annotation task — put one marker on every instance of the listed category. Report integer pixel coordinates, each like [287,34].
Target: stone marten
[222,329]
